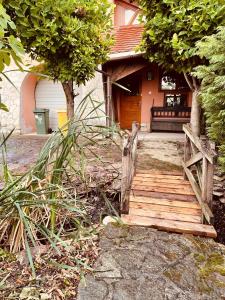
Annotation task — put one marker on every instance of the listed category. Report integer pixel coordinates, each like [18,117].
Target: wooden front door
[130,110]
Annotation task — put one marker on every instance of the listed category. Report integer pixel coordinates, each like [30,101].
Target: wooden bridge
[169,201]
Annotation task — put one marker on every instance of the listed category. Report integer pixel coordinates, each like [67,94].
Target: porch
[142,92]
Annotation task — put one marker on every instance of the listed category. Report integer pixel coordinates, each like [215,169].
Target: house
[158,100]
[132,88]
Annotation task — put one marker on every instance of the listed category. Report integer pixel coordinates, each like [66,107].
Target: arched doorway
[27,103]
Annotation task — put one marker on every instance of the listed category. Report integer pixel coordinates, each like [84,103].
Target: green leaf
[3,107]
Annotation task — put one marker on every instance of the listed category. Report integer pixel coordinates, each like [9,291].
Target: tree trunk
[195,108]
[195,113]
[68,90]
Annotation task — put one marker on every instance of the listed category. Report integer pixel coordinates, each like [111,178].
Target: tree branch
[189,82]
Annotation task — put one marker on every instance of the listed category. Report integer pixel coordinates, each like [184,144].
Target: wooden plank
[171,226]
[180,197]
[164,215]
[197,142]
[170,185]
[166,208]
[196,158]
[159,172]
[163,189]
[204,206]
[152,175]
[161,180]
[165,202]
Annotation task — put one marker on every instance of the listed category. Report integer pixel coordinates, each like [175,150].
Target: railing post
[125,174]
[187,152]
[209,196]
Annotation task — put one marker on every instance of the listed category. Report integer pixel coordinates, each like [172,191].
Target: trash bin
[42,120]
[62,120]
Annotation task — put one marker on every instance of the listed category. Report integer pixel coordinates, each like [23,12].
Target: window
[175,100]
[172,82]
[175,89]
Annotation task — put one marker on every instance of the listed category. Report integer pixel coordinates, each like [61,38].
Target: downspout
[108,100]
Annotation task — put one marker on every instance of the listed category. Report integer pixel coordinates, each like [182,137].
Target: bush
[213,87]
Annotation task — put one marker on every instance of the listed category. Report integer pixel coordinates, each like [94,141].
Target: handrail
[198,167]
[129,155]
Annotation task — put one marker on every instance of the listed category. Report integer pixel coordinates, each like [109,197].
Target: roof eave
[124,55]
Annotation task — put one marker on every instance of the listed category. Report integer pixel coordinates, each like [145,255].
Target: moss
[199,258]
[200,244]
[213,264]
[204,288]
[174,275]
[6,256]
[146,161]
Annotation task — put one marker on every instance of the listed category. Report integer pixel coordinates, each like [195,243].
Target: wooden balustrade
[129,156]
[198,167]
[171,112]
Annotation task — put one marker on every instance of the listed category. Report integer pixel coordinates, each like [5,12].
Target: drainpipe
[108,99]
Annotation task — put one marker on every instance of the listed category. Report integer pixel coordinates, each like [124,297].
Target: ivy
[213,86]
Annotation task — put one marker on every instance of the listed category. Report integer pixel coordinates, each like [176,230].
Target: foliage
[173,27]
[70,36]
[213,86]
[10,46]
[47,202]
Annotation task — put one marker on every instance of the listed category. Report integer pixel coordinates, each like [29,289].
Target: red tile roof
[127,38]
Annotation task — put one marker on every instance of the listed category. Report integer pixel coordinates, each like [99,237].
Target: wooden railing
[129,155]
[171,112]
[198,167]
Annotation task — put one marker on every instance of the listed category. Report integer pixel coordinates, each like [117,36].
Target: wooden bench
[169,119]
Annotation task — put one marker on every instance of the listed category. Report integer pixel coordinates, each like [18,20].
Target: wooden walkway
[167,202]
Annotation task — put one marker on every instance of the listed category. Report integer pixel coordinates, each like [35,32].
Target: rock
[29,293]
[45,296]
[92,289]
[144,264]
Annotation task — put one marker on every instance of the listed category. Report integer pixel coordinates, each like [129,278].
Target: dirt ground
[22,151]
[160,152]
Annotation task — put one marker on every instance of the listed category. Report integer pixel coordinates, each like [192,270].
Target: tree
[10,47]
[213,86]
[70,37]
[172,29]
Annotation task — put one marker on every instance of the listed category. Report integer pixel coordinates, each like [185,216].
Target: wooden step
[152,175]
[170,226]
[160,195]
[138,179]
[166,208]
[162,184]
[145,212]
[161,172]
[164,201]
[181,190]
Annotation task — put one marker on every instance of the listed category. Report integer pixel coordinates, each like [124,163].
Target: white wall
[11,97]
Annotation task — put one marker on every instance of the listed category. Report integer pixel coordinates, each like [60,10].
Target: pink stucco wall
[28,104]
[151,94]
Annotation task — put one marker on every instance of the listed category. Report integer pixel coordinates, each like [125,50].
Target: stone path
[144,264]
